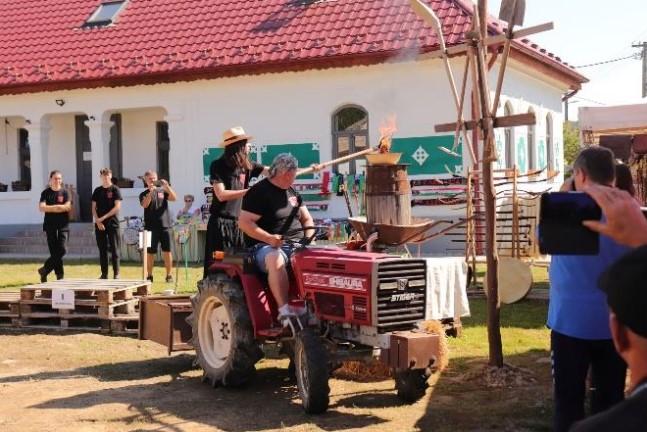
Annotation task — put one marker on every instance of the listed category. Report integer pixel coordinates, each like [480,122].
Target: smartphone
[560,224]
[158,183]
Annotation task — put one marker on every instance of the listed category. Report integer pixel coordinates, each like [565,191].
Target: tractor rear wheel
[411,384]
[223,336]
[312,371]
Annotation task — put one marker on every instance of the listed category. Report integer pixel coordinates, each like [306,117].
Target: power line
[634,56]
[589,100]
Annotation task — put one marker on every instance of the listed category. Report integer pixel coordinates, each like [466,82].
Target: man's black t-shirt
[156,215]
[232,179]
[105,199]
[274,205]
[54,221]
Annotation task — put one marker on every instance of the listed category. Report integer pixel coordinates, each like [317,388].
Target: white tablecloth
[446,288]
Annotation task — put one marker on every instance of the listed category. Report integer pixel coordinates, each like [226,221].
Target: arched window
[349,135]
[550,160]
[531,145]
[509,138]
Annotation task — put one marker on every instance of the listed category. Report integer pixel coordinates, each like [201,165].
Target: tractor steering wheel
[319,231]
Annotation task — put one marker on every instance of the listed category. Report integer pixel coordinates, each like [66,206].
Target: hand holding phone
[561,228]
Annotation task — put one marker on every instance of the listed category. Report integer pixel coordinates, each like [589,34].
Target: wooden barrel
[388,194]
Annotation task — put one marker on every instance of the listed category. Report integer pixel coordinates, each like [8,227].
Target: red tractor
[356,302]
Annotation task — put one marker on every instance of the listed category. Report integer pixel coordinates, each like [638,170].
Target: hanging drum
[515,280]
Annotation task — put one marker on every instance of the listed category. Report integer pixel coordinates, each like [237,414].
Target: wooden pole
[493,304]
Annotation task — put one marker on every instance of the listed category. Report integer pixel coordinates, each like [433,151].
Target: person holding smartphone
[157,220]
[578,315]
[106,203]
[55,203]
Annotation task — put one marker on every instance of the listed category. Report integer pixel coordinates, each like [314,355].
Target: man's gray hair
[283,163]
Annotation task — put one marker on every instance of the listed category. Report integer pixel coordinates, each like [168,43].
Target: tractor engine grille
[401,294]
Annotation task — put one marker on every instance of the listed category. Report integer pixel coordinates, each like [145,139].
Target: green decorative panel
[500,151]
[541,154]
[522,157]
[209,155]
[425,157]
[306,154]
[558,156]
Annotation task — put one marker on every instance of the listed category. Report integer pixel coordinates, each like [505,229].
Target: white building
[154,85]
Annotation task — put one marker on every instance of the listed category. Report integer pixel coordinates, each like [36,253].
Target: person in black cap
[55,203]
[106,203]
[626,288]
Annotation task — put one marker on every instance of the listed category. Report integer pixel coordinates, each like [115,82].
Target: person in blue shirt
[578,315]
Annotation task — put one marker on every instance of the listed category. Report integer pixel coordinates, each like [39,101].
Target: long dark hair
[236,155]
[624,179]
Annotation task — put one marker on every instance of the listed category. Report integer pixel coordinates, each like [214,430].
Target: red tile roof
[45,47]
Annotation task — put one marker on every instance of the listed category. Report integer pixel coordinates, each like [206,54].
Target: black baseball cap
[625,283]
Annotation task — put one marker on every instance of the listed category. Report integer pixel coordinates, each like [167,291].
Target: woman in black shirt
[230,177]
[56,204]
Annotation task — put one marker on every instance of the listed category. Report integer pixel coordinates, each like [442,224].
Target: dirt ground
[92,382]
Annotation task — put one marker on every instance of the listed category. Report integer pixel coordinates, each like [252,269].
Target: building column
[38,139]
[100,142]
[181,168]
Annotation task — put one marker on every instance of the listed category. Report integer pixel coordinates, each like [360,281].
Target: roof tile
[45,41]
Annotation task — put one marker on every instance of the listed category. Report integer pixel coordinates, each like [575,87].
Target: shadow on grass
[526,314]
[269,402]
[461,400]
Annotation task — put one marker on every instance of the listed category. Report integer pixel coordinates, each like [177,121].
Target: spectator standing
[55,203]
[106,203]
[578,314]
[155,200]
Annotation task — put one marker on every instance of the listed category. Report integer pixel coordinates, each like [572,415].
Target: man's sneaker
[149,278]
[60,276]
[103,277]
[43,275]
[116,276]
[169,279]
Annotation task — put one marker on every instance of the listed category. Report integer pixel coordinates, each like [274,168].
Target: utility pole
[643,45]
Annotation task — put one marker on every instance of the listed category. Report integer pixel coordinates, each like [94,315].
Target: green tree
[571,143]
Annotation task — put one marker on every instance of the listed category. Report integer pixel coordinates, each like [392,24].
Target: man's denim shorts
[262,251]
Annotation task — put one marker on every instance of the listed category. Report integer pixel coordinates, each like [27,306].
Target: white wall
[62,146]
[275,108]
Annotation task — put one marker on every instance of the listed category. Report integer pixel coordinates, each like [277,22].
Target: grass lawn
[460,398]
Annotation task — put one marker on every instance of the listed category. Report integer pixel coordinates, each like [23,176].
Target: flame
[387,129]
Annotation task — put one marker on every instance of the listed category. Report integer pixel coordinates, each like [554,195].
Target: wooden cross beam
[490,41]
[499,122]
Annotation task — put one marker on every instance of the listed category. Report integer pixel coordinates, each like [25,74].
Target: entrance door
[83,168]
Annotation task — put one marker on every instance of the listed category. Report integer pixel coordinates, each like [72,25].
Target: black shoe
[116,276]
[59,277]
[43,275]
[103,277]
[169,279]
[149,278]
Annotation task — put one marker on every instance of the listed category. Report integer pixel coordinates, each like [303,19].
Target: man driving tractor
[272,211]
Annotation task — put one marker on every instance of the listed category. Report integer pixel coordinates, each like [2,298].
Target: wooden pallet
[9,308]
[106,305]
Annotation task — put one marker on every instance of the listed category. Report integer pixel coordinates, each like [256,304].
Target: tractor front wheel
[223,337]
[411,384]
[312,371]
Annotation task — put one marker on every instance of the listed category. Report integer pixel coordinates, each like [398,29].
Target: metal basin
[383,158]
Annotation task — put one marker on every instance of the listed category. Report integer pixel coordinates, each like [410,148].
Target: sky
[591,31]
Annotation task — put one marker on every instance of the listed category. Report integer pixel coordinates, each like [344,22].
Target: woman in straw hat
[230,177]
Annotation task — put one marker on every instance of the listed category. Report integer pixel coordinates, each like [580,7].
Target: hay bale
[374,370]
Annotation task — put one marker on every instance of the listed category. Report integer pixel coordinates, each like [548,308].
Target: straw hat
[233,135]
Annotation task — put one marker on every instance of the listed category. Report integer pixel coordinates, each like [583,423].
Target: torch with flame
[387,129]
